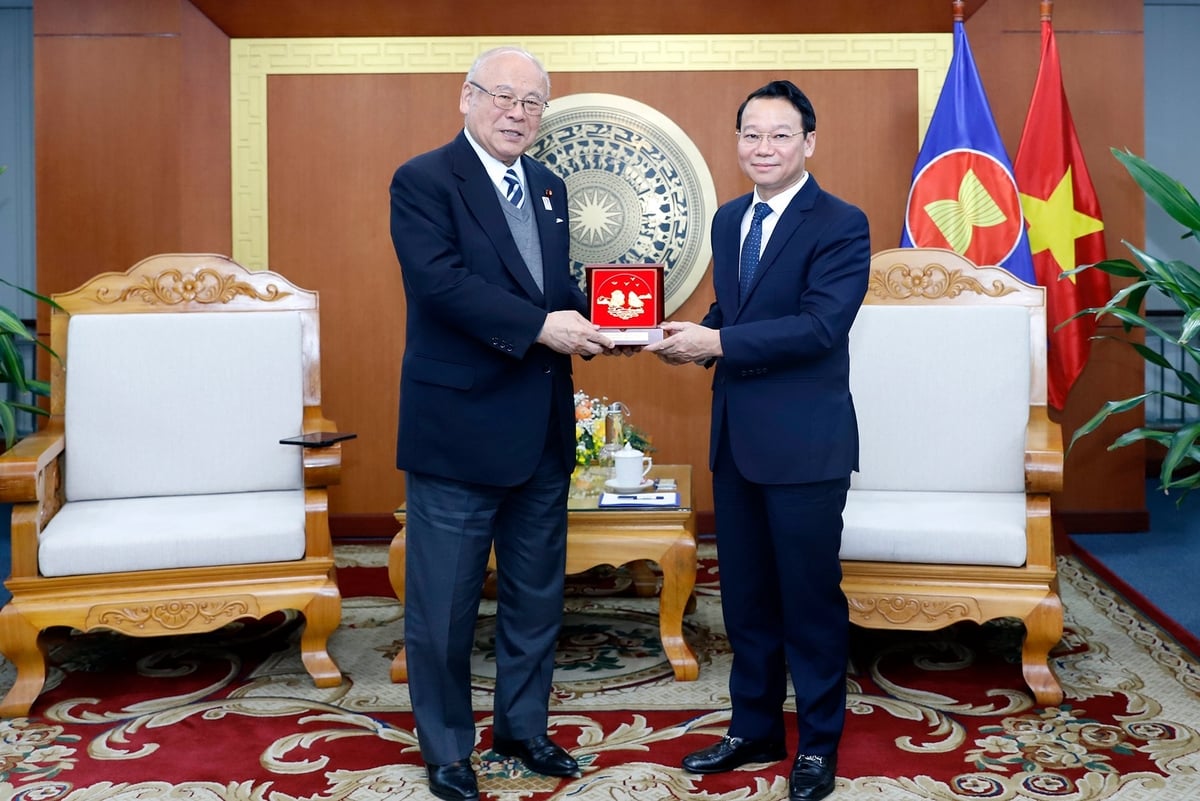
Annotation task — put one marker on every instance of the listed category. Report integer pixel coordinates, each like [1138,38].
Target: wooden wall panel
[107,161]
[109,18]
[205,223]
[335,140]
[299,18]
[132,136]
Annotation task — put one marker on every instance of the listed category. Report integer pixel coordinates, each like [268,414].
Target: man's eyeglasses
[502,100]
[751,138]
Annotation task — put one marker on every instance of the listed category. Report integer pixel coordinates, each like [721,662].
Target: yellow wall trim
[252,60]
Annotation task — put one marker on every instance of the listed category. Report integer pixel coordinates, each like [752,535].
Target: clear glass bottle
[614,433]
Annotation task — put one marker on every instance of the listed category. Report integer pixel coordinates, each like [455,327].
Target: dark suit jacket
[476,391]
[783,385]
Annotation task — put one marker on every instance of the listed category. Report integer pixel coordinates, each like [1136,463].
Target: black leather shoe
[454,781]
[812,777]
[540,754]
[733,752]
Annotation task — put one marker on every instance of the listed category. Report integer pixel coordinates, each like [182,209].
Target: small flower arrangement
[598,422]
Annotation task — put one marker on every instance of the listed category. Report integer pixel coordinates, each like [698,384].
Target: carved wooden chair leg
[321,618]
[396,561]
[489,586]
[20,644]
[1043,630]
[399,671]
[679,577]
[396,554]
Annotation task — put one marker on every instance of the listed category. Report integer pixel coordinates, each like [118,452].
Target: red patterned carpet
[941,716]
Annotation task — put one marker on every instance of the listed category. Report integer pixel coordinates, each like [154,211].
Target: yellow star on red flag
[1065,230]
[1055,223]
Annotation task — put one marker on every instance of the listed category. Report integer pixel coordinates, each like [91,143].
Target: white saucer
[612,485]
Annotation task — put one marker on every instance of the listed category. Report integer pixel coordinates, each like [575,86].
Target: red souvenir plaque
[627,301]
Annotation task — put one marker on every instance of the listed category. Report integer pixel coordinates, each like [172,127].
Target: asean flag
[963,194]
[1065,225]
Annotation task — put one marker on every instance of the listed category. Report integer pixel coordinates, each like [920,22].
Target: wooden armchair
[158,499]
[949,516]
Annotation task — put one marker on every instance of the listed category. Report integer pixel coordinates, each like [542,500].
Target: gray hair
[487,55]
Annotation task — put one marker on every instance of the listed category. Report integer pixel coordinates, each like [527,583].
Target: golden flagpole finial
[1047,10]
[958,10]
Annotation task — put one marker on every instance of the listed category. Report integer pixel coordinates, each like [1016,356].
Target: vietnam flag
[1063,215]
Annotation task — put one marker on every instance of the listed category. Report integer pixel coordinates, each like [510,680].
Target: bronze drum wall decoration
[638,190]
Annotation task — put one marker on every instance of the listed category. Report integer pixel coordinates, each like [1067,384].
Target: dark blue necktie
[750,249]
[514,192]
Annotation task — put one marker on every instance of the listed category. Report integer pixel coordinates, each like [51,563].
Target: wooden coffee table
[617,537]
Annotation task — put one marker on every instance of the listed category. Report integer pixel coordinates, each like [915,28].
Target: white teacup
[630,467]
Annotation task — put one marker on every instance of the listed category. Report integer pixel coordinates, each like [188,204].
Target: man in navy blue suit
[486,425]
[790,267]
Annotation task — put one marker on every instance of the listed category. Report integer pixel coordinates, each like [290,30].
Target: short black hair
[789,92]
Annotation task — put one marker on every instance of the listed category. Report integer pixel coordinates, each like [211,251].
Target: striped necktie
[514,192]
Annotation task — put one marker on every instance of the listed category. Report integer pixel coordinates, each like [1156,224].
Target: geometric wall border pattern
[253,60]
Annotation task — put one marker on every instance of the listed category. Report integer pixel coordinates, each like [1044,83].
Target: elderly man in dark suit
[487,427]
[790,267]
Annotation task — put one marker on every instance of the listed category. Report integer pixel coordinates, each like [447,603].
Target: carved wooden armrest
[321,443]
[1043,452]
[30,479]
[22,467]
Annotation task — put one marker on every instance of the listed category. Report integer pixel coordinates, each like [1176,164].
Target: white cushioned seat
[968,528]
[110,536]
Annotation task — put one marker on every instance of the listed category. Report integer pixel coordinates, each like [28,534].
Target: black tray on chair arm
[317,439]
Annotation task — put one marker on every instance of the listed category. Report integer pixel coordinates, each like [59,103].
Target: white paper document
[611,499]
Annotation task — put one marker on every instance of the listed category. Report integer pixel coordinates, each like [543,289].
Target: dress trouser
[450,528]
[784,609]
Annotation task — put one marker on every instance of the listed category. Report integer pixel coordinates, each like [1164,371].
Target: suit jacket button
[546,369]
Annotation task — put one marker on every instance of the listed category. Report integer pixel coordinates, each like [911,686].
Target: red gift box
[626,301]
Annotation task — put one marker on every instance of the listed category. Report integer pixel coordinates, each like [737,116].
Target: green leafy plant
[12,366]
[1179,283]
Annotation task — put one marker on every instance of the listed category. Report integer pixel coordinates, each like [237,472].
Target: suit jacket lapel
[730,239]
[479,193]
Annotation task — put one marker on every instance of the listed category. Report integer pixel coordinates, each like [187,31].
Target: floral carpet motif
[942,715]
